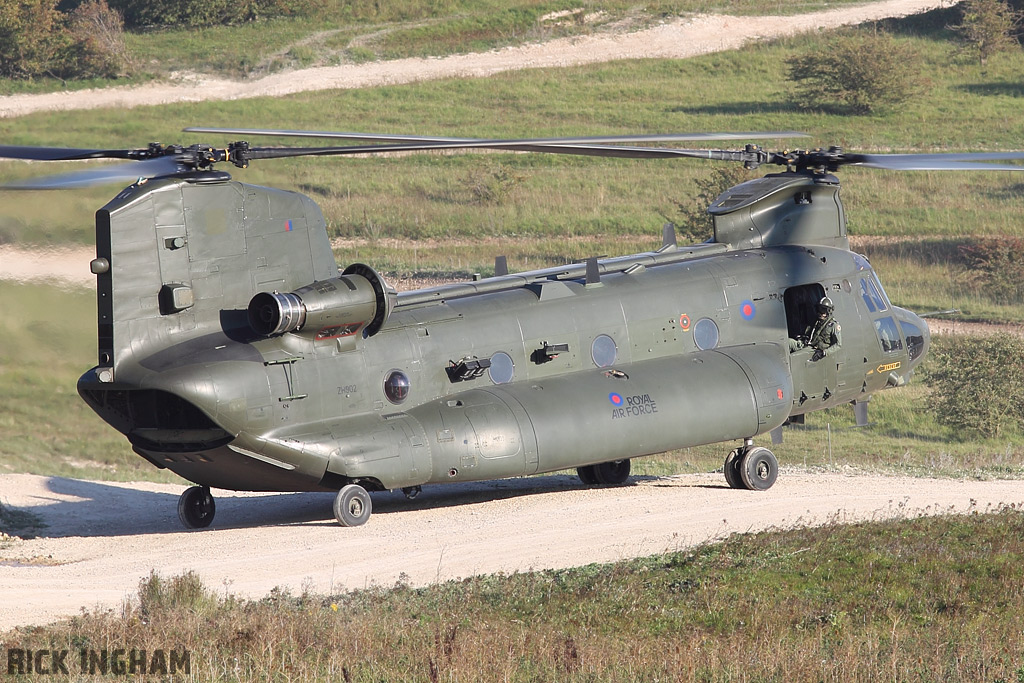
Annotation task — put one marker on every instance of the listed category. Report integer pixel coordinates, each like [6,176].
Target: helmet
[826,305]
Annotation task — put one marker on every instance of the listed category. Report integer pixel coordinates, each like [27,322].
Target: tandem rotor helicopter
[233,351]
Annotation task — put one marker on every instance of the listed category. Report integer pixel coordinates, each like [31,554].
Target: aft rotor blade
[63,153]
[100,176]
[936,162]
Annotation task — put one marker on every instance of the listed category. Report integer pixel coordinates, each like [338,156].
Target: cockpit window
[872,299]
[889,334]
[861,262]
[915,339]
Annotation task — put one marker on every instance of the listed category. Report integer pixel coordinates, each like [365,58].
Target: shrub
[141,13]
[987,27]
[857,72]
[977,382]
[996,266]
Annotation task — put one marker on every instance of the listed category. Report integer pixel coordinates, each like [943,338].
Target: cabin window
[502,368]
[889,334]
[604,351]
[396,386]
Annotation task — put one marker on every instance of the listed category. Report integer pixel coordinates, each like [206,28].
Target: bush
[857,72]
[996,266]
[977,383]
[987,27]
[191,13]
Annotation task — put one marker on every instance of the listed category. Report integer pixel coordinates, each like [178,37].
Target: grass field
[937,598]
[346,31]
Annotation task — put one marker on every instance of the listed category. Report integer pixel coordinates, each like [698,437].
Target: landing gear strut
[196,507]
[751,467]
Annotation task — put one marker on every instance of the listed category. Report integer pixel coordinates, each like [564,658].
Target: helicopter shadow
[740,108]
[92,509]
[995,88]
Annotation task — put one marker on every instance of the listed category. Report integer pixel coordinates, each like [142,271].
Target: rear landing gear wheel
[196,507]
[732,471]
[758,469]
[352,506]
[614,472]
[587,475]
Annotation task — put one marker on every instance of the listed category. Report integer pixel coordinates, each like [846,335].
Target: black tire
[352,506]
[196,507]
[587,475]
[732,470]
[759,469]
[613,472]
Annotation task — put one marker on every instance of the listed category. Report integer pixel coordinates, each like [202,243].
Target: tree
[36,39]
[32,39]
[694,223]
[977,382]
[987,27]
[860,72]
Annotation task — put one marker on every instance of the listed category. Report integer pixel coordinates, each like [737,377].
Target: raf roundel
[748,310]
[616,399]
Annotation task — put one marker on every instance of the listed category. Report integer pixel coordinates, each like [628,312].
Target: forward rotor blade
[62,153]
[936,162]
[501,144]
[100,176]
[585,150]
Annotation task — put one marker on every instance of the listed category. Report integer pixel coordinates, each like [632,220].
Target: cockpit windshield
[873,298]
[889,334]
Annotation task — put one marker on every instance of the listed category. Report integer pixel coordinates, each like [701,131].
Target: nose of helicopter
[917,338]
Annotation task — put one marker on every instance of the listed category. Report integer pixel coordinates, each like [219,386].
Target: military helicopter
[234,352]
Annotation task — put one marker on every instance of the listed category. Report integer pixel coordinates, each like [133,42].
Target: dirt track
[103,538]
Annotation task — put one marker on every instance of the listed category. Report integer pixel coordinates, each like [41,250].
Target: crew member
[824,335]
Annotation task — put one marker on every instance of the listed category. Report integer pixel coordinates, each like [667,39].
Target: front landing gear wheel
[758,469]
[196,507]
[732,470]
[352,506]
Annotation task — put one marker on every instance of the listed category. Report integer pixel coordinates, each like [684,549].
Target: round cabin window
[502,368]
[604,351]
[396,386]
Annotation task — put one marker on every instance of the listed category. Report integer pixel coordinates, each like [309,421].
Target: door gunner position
[824,336]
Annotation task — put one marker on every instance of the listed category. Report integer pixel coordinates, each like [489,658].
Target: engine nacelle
[357,301]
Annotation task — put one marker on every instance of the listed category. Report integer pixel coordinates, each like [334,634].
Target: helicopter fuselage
[233,353]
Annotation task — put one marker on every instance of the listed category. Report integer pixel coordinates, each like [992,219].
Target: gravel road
[102,538]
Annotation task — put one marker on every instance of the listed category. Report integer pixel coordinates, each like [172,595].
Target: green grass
[937,598]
